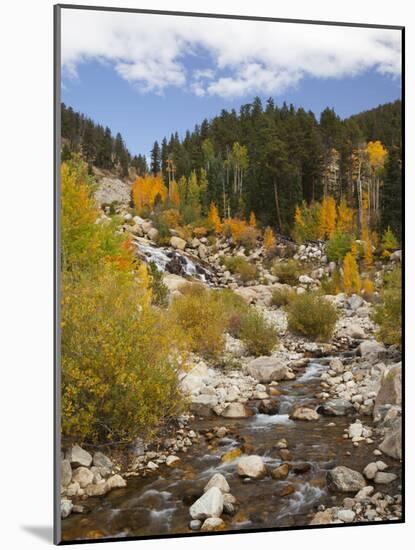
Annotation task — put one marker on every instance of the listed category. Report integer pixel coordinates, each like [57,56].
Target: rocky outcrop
[392,442]
[390,391]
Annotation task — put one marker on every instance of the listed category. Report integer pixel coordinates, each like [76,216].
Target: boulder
[267,369]
[209,505]
[364,493]
[79,457]
[153,234]
[392,443]
[304,413]
[203,404]
[268,406]
[390,391]
[336,407]
[102,461]
[97,489]
[396,256]
[115,482]
[66,472]
[72,489]
[83,476]
[178,243]
[336,365]
[345,480]
[354,331]
[66,507]
[219,481]
[251,466]
[213,524]
[236,410]
[370,347]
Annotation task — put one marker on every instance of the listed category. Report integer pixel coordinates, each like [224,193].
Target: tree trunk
[277,204]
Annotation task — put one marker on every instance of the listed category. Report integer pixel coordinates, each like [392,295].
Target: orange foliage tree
[269,239]
[328,217]
[214,218]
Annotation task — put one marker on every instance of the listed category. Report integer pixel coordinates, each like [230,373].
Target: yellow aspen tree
[351,277]
[368,254]
[269,239]
[252,219]
[174,193]
[146,189]
[328,216]
[344,217]
[214,218]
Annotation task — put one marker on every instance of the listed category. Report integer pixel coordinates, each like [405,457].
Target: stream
[159,504]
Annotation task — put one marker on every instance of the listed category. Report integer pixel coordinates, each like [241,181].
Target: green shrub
[332,284]
[281,297]
[287,271]
[241,267]
[160,292]
[388,314]
[338,246]
[258,335]
[311,315]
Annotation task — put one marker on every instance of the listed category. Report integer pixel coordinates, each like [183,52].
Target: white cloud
[249,57]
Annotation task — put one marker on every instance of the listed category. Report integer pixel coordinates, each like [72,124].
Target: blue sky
[148,76]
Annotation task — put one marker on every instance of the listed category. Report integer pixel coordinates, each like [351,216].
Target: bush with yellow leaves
[311,315]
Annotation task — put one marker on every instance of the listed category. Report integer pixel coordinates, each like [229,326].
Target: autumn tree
[351,277]
[214,218]
[252,219]
[328,216]
[269,239]
[147,190]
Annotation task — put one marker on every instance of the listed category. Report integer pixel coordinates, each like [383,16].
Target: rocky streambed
[292,486]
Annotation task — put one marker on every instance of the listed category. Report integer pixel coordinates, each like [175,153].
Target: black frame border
[57,9]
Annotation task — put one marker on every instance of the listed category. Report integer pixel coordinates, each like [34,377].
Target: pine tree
[392,193]
[155,164]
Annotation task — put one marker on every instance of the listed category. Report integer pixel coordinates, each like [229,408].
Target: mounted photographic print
[229,234]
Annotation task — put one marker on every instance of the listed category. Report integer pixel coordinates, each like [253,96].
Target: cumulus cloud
[154,52]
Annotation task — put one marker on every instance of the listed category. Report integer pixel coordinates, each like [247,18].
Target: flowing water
[159,504]
[163,256]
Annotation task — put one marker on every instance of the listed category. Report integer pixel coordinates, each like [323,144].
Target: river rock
[172,461]
[385,477]
[355,430]
[281,472]
[231,455]
[251,466]
[345,480]
[336,407]
[66,472]
[267,369]
[322,518]
[66,507]
[390,391]
[115,482]
[370,470]
[219,481]
[97,489]
[178,243]
[213,524]
[392,443]
[210,504]
[304,413]
[79,457]
[268,406]
[72,489]
[195,524]
[354,302]
[102,461]
[336,365]
[354,331]
[347,516]
[236,410]
[83,476]
[364,493]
